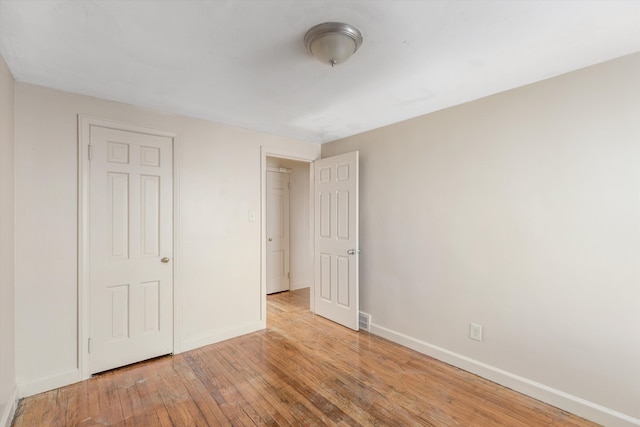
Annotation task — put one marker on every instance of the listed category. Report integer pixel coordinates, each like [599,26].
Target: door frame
[302,157]
[84,226]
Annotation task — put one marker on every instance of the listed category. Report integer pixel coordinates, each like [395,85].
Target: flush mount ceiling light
[333,42]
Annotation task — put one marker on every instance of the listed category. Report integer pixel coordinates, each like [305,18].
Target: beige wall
[301,245]
[219,248]
[519,212]
[7,240]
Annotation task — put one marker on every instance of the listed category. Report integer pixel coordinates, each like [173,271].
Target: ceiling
[243,62]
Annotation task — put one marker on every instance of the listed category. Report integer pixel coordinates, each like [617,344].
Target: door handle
[353,251]
[164,260]
[270,239]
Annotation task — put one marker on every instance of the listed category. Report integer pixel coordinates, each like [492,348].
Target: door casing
[84,134]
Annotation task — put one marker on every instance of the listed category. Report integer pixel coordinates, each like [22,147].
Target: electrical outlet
[475,332]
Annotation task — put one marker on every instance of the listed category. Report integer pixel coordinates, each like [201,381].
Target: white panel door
[336,239]
[131,241]
[277,232]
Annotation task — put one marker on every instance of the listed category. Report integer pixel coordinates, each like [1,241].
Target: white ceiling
[243,62]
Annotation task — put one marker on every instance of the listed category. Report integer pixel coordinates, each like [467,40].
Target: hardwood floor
[301,370]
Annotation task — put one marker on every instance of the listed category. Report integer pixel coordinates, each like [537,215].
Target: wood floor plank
[252,391]
[221,387]
[276,392]
[301,370]
[314,401]
[201,397]
[331,394]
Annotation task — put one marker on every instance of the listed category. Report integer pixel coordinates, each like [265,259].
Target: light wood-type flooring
[302,370]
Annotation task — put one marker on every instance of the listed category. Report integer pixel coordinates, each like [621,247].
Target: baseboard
[10,410]
[581,407]
[49,383]
[193,343]
[296,286]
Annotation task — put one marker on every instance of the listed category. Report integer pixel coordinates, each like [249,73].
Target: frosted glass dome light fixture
[333,42]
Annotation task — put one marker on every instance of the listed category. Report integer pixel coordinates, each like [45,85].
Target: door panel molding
[85,123]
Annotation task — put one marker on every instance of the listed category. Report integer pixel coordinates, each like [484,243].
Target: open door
[278,272]
[336,289]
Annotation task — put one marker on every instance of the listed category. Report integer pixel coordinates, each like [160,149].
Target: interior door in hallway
[278,272]
[131,249]
[336,287]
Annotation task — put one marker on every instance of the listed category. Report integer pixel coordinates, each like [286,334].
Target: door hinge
[89,152]
[289,275]
[89,345]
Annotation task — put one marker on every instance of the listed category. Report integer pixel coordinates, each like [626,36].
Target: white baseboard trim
[26,389]
[193,343]
[296,286]
[6,418]
[581,407]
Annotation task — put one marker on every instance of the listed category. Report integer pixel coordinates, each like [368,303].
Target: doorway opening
[288,226]
[333,248]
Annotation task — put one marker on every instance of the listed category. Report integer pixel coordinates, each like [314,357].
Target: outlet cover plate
[475,332]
